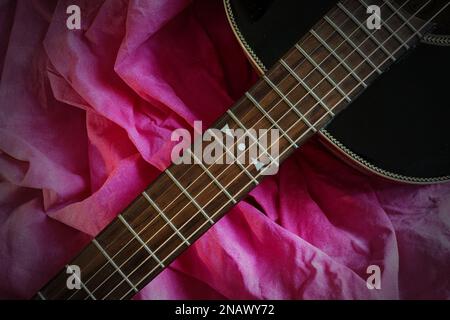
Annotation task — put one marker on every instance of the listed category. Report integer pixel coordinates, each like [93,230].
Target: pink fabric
[85,122]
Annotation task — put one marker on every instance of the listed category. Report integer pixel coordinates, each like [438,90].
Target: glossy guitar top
[399,127]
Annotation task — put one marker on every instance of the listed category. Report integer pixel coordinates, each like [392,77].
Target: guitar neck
[321,75]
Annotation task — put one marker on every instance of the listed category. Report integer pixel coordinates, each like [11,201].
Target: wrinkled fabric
[85,124]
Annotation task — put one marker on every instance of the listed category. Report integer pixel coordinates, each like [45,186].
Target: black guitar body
[399,127]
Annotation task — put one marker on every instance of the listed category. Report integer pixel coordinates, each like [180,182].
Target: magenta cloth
[85,124]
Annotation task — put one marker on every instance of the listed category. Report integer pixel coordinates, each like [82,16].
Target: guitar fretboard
[321,75]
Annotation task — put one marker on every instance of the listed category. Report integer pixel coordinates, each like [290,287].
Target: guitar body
[398,128]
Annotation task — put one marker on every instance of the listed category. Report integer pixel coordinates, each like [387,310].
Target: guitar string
[339,102]
[316,104]
[414,34]
[187,172]
[300,64]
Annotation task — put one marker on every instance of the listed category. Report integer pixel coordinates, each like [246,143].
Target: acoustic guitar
[341,59]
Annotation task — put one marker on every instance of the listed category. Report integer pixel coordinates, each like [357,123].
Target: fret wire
[101,268]
[410,38]
[99,247]
[143,244]
[168,221]
[318,67]
[336,55]
[357,22]
[302,62]
[267,115]
[90,294]
[355,47]
[211,176]
[386,25]
[41,296]
[333,52]
[191,199]
[405,20]
[123,263]
[303,83]
[240,124]
[370,74]
[252,178]
[339,59]
[109,276]
[293,106]
[366,77]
